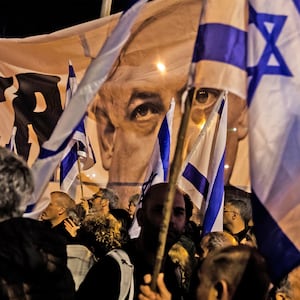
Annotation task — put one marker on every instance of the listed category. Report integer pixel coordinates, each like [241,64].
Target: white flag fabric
[274,130]
[95,75]
[220,62]
[202,175]
[158,170]
[216,63]
[78,154]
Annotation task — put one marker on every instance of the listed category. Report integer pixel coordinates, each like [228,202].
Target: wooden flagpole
[176,165]
[174,172]
[79,173]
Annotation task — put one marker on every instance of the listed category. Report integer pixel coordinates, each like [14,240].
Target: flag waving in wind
[78,154]
[224,59]
[274,130]
[158,170]
[202,175]
[97,72]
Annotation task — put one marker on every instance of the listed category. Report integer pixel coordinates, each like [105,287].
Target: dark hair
[187,199]
[16,184]
[105,193]
[188,205]
[123,216]
[240,199]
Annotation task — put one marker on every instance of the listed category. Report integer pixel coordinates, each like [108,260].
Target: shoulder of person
[126,267]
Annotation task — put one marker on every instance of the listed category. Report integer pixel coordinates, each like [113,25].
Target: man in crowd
[237,218]
[104,276]
[288,288]
[33,259]
[56,214]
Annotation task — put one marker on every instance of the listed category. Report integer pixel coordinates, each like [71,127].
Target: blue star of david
[262,67]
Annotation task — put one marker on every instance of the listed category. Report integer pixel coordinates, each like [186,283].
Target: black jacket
[33,262]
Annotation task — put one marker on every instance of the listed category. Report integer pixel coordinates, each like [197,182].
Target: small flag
[274,126]
[202,175]
[78,154]
[95,75]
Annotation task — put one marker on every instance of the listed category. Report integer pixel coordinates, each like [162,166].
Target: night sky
[21,18]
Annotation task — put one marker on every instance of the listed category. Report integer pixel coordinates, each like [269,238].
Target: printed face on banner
[126,115]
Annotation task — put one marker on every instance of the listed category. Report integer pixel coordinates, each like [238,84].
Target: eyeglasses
[95,196]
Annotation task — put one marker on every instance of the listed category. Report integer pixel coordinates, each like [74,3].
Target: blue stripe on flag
[214,204]
[284,256]
[197,179]
[164,146]
[46,153]
[30,208]
[69,160]
[228,48]
[71,75]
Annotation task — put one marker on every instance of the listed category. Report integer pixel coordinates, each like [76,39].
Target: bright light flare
[161,67]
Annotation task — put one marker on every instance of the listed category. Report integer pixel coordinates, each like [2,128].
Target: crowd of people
[84,250]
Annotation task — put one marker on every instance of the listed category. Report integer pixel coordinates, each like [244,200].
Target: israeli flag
[78,154]
[158,170]
[274,130]
[202,175]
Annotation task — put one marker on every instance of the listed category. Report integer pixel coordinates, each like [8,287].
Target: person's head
[102,201]
[102,233]
[233,273]
[16,184]
[237,210]
[214,240]
[130,125]
[133,202]
[58,209]
[150,215]
[288,288]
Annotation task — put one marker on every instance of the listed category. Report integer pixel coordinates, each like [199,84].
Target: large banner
[125,116]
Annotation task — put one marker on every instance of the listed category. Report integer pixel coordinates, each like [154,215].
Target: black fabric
[102,281]
[141,268]
[60,229]
[33,262]
[104,277]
